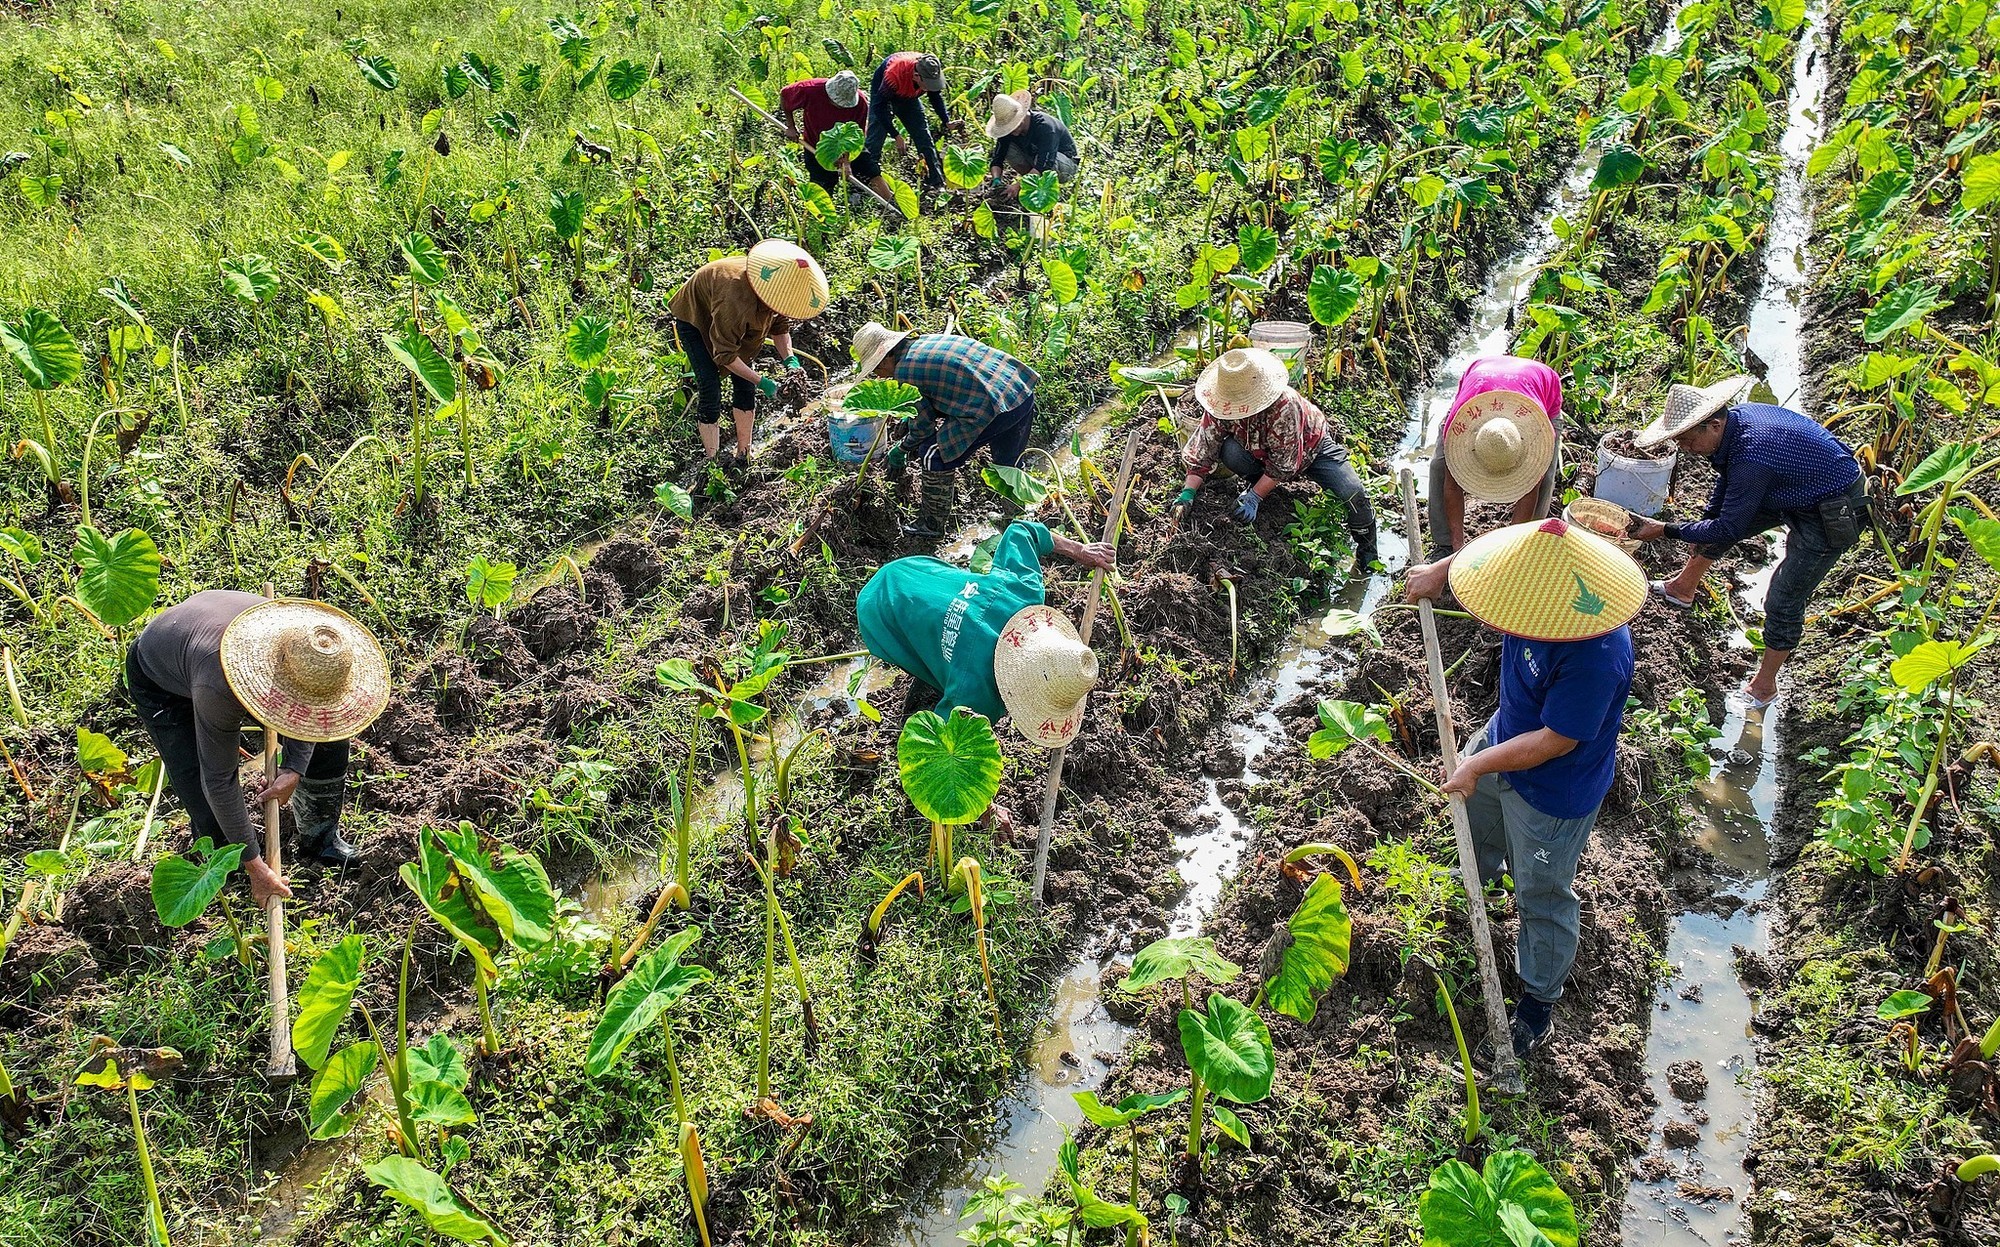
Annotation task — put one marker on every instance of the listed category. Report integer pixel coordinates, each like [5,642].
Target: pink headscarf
[1531,377]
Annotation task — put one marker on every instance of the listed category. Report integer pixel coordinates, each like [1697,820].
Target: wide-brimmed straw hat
[1548,581]
[1045,673]
[1241,383]
[1499,445]
[1010,109]
[844,89]
[872,342]
[930,72]
[1689,405]
[788,280]
[310,670]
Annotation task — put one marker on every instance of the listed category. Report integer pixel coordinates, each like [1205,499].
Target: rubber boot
[934,507]
[1361,527]
[316,806]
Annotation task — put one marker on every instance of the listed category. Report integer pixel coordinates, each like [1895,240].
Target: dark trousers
[708,378]
[1006,437]
[1331,470]
[885,108]
[826,179]
[1810,553]
[169,722]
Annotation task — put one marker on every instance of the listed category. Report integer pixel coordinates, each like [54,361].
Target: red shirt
[821,114]
[901,74]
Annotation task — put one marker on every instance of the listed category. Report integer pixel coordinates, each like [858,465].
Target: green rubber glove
[792,363]
[896,458]
[1185,499]
[767,387]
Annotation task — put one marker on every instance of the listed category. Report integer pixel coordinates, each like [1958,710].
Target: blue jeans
[1006,437]
[1541,853]
[1331,470]
[1810,553]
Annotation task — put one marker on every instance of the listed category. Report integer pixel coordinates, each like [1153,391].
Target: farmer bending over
[896,95]
[1260,428]
[1777,468]
[1499,444]
[202,671]
[826,102]
[724,313]
[973,395]
[1025,140]
[1539,770]
[987,642]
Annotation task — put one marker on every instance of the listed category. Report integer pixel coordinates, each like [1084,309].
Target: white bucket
[1289,340]
[1640,486]
[852,435]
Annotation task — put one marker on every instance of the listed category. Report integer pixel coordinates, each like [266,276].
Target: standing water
[1704,1014]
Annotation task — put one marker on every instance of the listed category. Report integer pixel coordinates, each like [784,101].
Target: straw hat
[1689,405]
[930,72]
[1550,581]
[787,279]
[309,670]
[844,89]
[1045,673]
[1009,111]
[872,342]
[1499,445]
[1241,383]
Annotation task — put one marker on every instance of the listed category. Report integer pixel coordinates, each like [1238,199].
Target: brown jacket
[719,302]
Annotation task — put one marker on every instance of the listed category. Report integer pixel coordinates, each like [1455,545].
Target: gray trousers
[1545,494]
[1541,853]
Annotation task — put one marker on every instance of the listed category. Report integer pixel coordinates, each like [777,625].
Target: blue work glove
[1246,505]
[767,387]
[896,458]
[792,363]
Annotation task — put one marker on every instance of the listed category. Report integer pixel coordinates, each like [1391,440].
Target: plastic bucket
[1639,485]
[852,435]
[1289,340]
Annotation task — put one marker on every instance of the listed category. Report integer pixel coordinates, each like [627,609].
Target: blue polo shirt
[1575,689]
[1771,459]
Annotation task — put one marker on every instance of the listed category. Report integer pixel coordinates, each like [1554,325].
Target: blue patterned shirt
[1770,460]
[965,384]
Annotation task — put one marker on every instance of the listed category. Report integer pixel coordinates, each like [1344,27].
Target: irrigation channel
[1704,1013]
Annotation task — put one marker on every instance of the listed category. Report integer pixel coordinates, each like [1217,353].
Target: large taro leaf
[251,278]
[325,998]
[118,577]
[626,80]
[1947,465]
[182,888]
[1126,1111]
[1344,723]
[441,1208]
[894,252]
[439,1060]
[1016,486]
[1464,1208]
[426,259]
[1618,166]
[1229,1049]
[949,767]
[842,142]
[1332,294]
[1930,662]
[1899,309]
[1315,954]
[42,349]
[337,1087]
[882,395]
[1178,957]
[509,885]
[439,1104]
[113,1068]
[641,997]
[436,883]
[587,341]
[1039,191]
[414,350]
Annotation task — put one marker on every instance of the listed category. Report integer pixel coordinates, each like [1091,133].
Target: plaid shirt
[1284,437]
[965,384]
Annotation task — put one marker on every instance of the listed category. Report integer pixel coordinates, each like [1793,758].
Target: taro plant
[873,926]
[430,373]
[486,896]
[1125,1115]
[972,879]
[47,358]
[441,1209]
[1229,1056]
[488,585]
[1345,724]
[1511,1202]
[132,1070]
[1094,1212]
[184,887]
[950,768]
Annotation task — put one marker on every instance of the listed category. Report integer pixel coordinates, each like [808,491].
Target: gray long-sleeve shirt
[181,651]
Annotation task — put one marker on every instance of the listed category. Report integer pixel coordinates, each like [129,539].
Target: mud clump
[602,592]
[499,652]
[1687,1080]
[44,962]
[554,622]
[408,731]
[710,606]
[1682,1134]
[112,911]
[634,564]
[456,688]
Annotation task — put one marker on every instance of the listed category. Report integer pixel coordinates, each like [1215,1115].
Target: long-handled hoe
[281,1064]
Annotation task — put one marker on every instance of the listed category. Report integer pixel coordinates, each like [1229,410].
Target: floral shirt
[1284,437]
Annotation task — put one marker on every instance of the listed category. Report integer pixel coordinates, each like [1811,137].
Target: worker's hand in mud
[1183,504]
[1462,781]
[767,387]
[1427,580]
[279,789]
[1646,530]
[1247,503]
[266,883]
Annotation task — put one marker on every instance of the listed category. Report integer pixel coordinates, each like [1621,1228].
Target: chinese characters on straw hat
[1010,109]
[1045,673]
[1499,445]
[1241,383]
[787,279]
[872,344]
[307,669]
[1548,581]
[1689,405]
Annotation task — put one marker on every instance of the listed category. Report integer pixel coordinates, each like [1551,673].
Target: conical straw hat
[1241,383]
[1689,405]
[1045,673]
[1009,110]
[1548,582]
[1499,445]
[309,670]
[787,279]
